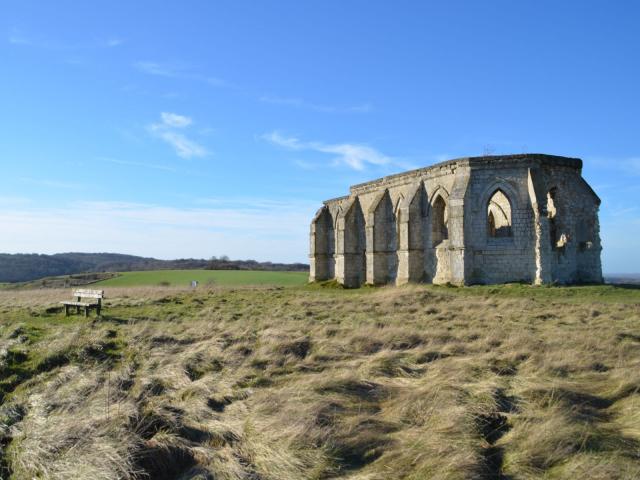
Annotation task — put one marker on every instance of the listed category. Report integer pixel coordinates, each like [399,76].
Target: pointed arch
[499,215]
[418,233]
[418,211]
[322,245]
[325,241]
[439,220]
[382,264]
[353,245]
[384,224]
[500,202]
[439,190]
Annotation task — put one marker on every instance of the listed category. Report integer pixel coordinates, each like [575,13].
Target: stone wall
[492,219]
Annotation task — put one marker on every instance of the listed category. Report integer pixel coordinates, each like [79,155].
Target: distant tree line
[26,267]
[224,263]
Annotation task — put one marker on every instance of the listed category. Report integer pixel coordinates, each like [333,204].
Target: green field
[205,277]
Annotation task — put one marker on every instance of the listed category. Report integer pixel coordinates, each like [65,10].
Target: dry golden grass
[309,383]
[11,299]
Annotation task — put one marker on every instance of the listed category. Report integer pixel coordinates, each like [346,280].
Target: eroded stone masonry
[491,219]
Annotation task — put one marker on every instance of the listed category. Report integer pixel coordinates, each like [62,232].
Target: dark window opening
[439,222]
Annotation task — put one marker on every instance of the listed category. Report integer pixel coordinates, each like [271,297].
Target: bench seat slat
[85,294]
[80,304]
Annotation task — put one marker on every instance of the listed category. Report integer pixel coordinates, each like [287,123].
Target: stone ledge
[490,161]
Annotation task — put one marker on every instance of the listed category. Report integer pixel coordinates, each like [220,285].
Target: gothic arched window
[499,215]
[439,221]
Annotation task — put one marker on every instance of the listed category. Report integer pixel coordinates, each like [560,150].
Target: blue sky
[199,128]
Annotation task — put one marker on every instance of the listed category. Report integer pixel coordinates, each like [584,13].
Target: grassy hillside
[205,277]
[29,267]
[63,281]
[295,383]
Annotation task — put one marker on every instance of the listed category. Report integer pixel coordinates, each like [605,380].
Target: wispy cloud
[153,68]
[183,146]
[7,201]
[624,212]
[288,142]
[303,164]
[51,183]
[138,164]
[168,130]
[629,165]
[300,103]
[174,120]
[177,71]
[18,37]
[353,155]
[247,203]
[113,42]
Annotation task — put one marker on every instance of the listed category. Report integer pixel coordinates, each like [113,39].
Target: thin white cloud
[623,212]
[137,164]
[167,131]
[18,37]
[175,120]
[113,42]
[282,141]
[7,201]
[215,81]
[629,165]
[256,203]
[177,71]
[299,103]
[153,68]
[303,164]
[184,147]
[50,183]
[355,156]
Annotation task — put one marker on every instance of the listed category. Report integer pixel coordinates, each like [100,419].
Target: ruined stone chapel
[478,220]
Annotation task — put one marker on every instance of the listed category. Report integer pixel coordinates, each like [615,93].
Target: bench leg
[77,309]
[66,310]
[86,311]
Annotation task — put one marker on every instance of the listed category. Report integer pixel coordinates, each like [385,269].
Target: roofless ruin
[492,219]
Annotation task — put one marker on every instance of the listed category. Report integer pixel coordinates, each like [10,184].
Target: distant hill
[623,278]
[26,267]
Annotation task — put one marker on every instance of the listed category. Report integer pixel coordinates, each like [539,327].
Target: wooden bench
[81,302]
